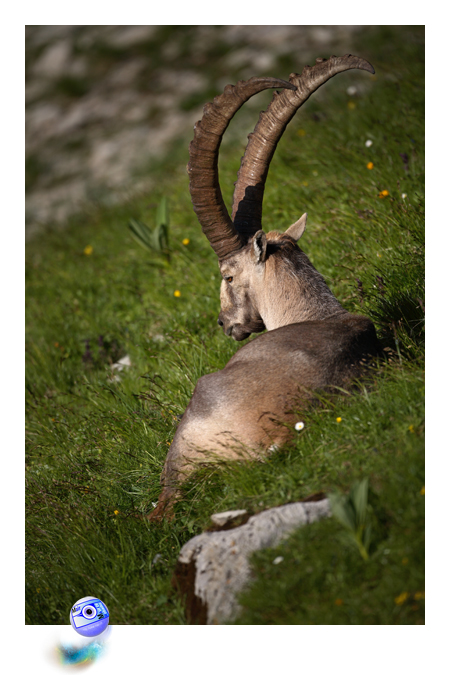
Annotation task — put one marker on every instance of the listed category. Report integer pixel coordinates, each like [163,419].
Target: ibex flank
[268,283]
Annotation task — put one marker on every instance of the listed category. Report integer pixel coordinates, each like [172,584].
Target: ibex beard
[268,283]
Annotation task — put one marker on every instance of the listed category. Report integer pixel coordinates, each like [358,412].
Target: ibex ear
[259,246]
[296,230]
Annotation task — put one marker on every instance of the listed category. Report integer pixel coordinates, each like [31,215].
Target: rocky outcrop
[105,102]
[214,567]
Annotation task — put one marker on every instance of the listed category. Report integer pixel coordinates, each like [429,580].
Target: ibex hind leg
[169,495]
[200,441]
[177,468]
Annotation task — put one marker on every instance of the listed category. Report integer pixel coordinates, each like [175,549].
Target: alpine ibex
[267,283]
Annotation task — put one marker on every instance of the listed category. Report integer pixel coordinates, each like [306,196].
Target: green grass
[96,446]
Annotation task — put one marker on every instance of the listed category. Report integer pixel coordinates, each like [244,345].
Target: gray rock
[127,36]
[213,567]
[227,517]
[54,60]
[124,362]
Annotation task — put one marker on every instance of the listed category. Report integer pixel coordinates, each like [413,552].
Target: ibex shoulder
[342,335]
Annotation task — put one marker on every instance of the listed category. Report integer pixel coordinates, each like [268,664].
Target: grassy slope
[96,446]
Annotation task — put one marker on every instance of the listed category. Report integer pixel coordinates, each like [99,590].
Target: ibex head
[249,275]
[267,280]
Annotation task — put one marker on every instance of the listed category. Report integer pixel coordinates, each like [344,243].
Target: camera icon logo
[89,616]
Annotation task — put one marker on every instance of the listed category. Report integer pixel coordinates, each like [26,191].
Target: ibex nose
[219,321]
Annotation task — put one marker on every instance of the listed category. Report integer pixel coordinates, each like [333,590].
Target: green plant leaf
[367,536]
[157,239]
[141,233]
[343,511]
[358,495]
[162,215]
[160,238]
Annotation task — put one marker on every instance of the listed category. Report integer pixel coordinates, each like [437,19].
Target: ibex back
[268,283]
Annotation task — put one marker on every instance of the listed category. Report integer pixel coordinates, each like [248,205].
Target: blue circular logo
[89,616]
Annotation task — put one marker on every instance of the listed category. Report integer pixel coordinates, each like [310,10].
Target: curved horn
[203,168]
[249,187]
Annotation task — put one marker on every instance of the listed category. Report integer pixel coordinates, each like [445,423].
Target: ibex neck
[297,299]
[276,319]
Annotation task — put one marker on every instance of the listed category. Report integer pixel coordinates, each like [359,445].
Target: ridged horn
[249,187]
[203,162]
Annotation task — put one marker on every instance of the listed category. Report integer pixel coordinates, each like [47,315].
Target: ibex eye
[229,279]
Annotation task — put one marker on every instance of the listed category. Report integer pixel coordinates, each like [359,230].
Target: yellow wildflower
[422,492]
[338,419]
[400,599]
[351,105]
[419,595]
[383,194]
[177,294]
[301,132]
[369,165]
[116,512]
[305,183]
[88,250]
[411,428]
[185,242]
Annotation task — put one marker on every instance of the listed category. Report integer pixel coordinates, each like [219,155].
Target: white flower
[299,426]
[368,143]
[278,559]
[351,91]
[404,195]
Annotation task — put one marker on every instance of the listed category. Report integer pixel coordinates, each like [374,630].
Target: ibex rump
[267,283]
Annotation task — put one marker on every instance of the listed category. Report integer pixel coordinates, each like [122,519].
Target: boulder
[214,567]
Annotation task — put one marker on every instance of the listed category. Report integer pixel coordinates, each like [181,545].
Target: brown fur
[249,406]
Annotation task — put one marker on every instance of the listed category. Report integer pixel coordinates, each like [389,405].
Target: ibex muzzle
[267,283]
